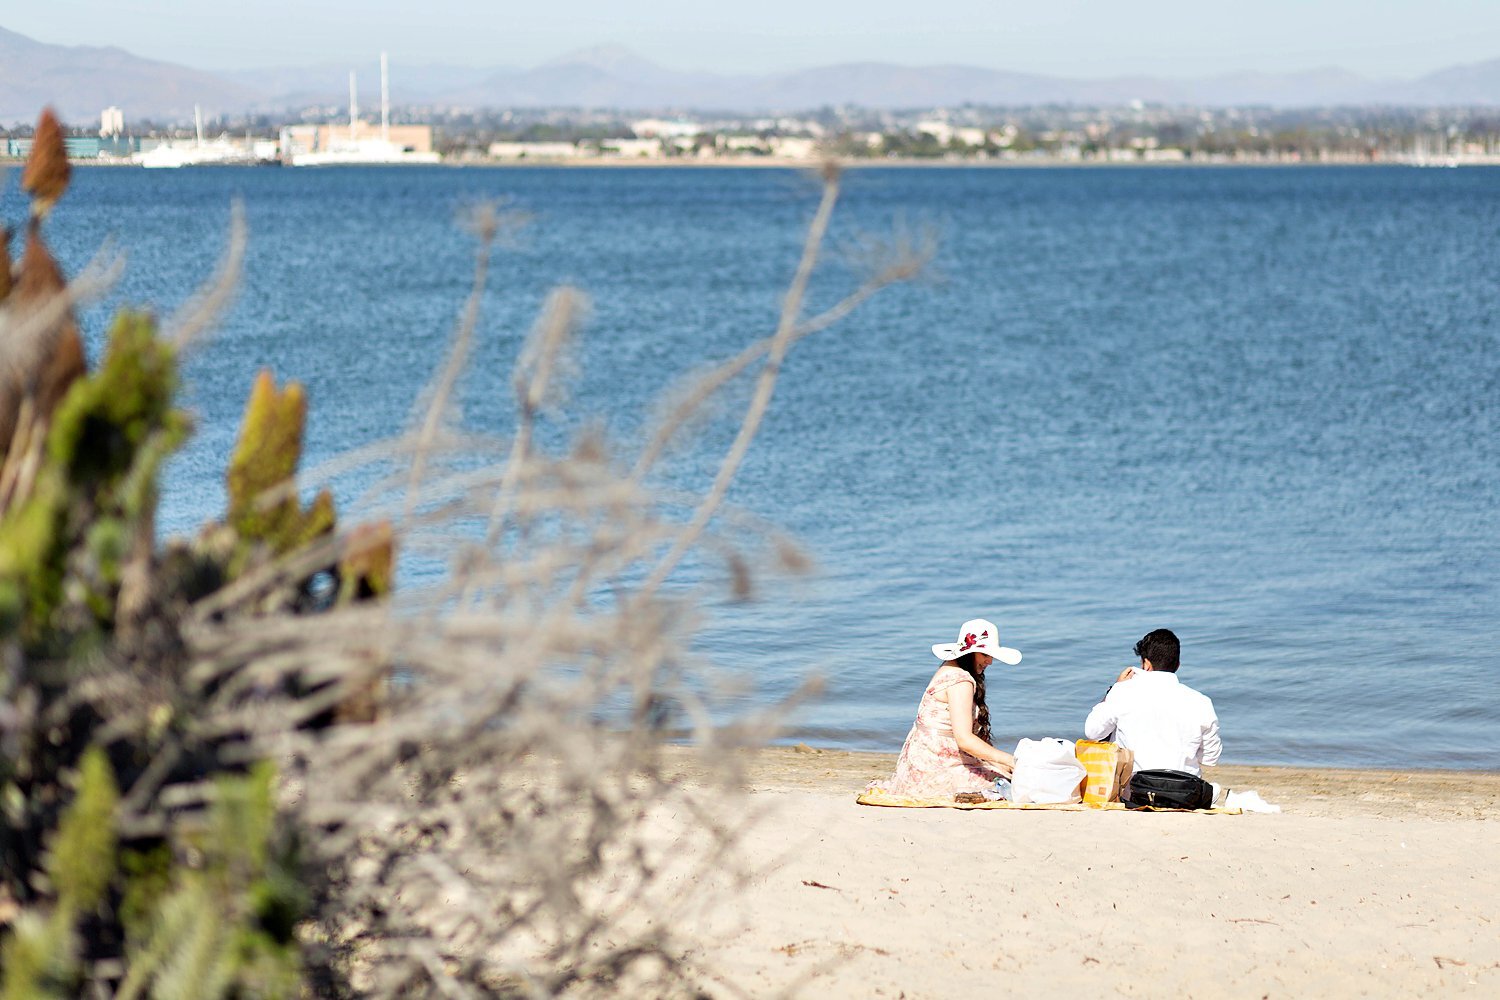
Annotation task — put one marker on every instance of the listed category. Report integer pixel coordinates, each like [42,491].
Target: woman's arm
[961,717]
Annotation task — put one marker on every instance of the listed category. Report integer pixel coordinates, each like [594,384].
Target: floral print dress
[931,765]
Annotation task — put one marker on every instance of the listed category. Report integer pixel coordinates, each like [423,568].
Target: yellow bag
[1109,768]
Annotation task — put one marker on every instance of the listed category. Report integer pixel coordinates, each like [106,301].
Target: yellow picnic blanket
[881,797]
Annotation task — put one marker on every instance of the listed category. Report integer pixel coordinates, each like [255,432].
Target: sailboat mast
[198,123]
[385,100]
[353,107]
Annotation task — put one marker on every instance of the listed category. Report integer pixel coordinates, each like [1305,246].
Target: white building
[945,134]
[630,148]
[661,128]
[939,130]
[807,125]
[793,148]
[535,150]
[111,123]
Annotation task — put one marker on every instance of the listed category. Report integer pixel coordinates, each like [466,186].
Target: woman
[948,750]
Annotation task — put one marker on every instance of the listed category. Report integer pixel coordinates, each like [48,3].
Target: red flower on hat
[970,639]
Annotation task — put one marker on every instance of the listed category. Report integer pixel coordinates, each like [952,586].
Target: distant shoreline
[908,163]
[916,163]
[924,164]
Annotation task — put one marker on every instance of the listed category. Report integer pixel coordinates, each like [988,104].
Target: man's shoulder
[1193,694]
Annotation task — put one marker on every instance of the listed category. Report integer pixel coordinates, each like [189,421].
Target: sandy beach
[1369,883]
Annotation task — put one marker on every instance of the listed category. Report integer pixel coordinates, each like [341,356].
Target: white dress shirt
[1165,723]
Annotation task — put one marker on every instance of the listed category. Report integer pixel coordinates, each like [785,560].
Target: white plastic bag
[1248,801]
[1047,772]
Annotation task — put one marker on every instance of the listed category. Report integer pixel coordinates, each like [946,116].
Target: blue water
[1260,407]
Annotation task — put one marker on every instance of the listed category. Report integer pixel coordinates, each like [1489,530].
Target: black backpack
[1163,789]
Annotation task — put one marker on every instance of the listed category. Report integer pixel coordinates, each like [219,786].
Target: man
[1166,724]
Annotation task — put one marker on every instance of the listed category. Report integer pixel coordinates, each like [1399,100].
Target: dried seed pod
[51,358]
[47,171]
[59,349]
[367,566]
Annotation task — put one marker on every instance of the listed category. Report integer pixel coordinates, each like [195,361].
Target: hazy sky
[1086,38]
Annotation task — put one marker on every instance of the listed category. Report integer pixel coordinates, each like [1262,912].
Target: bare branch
[486,223]
[203,310]
[791,309]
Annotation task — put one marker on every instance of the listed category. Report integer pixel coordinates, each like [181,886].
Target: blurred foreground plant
[244,765]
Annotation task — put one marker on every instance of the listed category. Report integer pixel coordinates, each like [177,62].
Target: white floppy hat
[977,636]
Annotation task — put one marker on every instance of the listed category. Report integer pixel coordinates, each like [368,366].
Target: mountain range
[79,81]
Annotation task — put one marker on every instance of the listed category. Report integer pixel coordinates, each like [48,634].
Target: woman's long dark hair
[981,710]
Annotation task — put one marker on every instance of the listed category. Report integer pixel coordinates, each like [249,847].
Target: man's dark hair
[1161,647]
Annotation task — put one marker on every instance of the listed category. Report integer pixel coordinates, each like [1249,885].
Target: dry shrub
[489,827]
[491,830]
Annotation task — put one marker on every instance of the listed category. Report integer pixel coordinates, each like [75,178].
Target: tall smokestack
[385,100]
